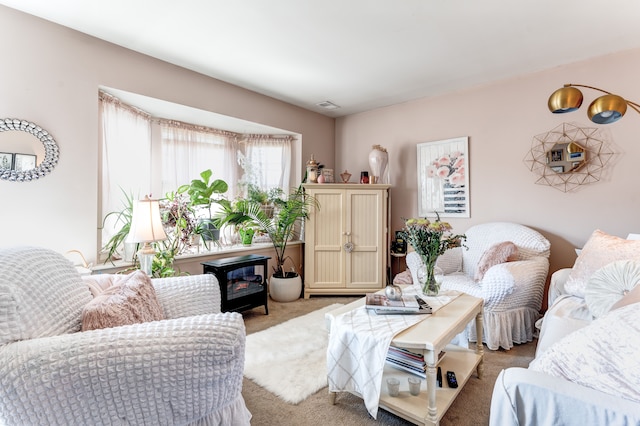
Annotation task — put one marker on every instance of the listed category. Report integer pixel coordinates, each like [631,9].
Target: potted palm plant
[122,218]
[282,227]
[202,193]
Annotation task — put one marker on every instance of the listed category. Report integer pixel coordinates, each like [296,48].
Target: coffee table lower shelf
[429,337]
[415,408]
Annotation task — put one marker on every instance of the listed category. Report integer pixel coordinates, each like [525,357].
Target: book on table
[380,302]
[406,360]
[381,305]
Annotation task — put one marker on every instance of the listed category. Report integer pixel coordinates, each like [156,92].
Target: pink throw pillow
[130,300]
[600,250]
[505,251]
[99,283]
[403,278]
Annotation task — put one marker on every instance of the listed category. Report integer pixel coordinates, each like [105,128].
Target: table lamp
[146,227]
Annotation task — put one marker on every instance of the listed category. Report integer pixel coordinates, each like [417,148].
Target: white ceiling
[358,54]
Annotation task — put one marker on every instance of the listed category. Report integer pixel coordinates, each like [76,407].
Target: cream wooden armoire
[347,239]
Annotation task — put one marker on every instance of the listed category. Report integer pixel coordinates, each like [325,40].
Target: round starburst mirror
[568,156]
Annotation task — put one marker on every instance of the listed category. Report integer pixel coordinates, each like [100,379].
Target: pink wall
[501,120]
[50,75]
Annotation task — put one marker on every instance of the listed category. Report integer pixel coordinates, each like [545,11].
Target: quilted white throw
[358,344]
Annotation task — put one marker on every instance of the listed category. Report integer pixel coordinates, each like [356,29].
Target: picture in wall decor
[443,178]
[17,162]
[23,162]
[6,160]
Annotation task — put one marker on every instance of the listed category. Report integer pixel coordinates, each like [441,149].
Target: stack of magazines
[412,362]
[380,304]
[408,361]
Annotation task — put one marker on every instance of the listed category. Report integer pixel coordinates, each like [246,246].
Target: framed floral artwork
[443,178]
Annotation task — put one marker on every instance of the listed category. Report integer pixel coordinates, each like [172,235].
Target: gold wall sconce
[606,109]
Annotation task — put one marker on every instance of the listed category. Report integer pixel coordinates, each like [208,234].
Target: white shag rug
[290,359]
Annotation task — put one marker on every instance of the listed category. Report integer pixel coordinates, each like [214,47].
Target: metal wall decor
[24,167]
[568,156]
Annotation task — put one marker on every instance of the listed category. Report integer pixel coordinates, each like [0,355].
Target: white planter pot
[285,289]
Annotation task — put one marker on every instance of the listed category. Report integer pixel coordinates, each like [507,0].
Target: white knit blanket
[358,345]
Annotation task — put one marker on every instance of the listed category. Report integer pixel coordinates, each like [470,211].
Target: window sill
[190,263]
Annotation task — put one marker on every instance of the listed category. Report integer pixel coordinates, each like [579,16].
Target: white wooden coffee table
[429,337]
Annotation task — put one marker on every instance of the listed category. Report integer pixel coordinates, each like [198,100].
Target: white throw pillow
[602,356]
[450,261]
[609,284]
[600,250]
[633,296]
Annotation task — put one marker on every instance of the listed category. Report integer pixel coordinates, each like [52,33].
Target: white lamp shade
[146,223]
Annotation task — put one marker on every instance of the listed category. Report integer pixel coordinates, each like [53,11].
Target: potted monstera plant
[283,226]
[203,193]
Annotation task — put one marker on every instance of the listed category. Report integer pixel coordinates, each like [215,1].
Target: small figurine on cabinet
[345,176]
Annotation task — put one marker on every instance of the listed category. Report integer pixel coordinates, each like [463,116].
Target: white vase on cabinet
[378,161]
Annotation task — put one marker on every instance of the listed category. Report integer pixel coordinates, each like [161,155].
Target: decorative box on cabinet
[346,239]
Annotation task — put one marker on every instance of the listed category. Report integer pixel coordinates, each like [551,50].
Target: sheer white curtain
[125,141]
[188,150]
[134,158]
[269,160]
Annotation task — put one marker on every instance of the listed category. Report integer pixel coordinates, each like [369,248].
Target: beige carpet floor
[470,408]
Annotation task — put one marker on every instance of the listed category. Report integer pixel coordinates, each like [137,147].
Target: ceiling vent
[327,105]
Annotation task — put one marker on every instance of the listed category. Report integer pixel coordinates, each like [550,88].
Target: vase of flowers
[430,239]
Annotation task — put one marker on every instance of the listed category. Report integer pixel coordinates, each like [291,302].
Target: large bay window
[142,154]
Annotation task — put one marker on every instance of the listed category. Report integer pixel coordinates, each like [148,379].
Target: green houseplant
[202,194]
[281,228]
[231,213]
[179,222]
[123,218]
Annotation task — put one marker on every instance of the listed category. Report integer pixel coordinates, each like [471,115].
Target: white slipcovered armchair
[185,369]
[512,291]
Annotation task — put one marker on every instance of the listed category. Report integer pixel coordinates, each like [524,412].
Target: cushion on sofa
[403,277]
[602,356]
[632,296]
[600,250]
[99,283]
[130,299]
[450,261]
[495,255]
[609,284]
